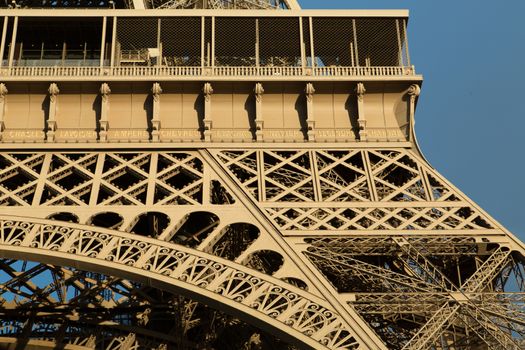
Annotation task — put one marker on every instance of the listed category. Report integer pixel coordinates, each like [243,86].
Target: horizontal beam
[207,74]
[206,13]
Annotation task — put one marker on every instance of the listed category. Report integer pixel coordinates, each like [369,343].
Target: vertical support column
[99,169]
[257,46]
[399,44]
[361,120]
[2,42]
[13,43]
[113,43]
[213,41]
[259,121]
[355,43]
[152,176]
[105,91]
[203,41]
[103,41]
[303,49]
[41,181]
[159,43]
[207,90]
[311,29]
[413,91]
[51,120]
[3,93]
[310,119]
[406,42]
[156,90]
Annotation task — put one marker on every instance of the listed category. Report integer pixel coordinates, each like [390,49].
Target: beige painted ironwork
[247,179]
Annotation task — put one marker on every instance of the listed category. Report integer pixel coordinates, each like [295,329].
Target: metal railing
[185,71]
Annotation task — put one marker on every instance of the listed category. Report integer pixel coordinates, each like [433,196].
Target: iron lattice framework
[256,189]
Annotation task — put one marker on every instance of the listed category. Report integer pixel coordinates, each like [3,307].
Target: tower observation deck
[232,174]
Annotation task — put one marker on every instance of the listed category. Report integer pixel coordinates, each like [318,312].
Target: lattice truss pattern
[441,292]
[170,198]
[431,272]
[372,190]
[387,242]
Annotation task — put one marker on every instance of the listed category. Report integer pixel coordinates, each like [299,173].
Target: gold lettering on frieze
[390,133]
[76,134]
[336,133]
[283,134]
[23,135]
[128,134]
[232,134]
[179,134]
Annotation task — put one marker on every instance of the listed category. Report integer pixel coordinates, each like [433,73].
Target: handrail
[219,71]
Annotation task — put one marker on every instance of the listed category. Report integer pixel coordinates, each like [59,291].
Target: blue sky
[470,117]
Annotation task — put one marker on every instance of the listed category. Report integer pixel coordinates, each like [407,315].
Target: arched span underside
[281,309]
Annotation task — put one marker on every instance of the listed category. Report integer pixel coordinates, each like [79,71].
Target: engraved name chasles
[23,135]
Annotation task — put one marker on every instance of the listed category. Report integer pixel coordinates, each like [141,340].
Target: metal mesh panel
[137,41]
[68,42]
[378,42]
[279,42]
[334,42]
[235,41]
[180,39]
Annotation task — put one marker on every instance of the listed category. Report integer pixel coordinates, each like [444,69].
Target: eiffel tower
[232,174]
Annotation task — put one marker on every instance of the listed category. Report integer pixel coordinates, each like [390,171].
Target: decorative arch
[292,314]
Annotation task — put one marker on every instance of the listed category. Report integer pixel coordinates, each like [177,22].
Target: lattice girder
[286,310]
[324,220]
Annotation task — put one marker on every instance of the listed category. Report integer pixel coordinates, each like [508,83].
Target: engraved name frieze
[283,134]
[385,133]
[128,134]
[232,134]
[23,135]
[179,134]
[335,133]
[75,134]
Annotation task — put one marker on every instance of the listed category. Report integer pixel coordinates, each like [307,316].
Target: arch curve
[292,314]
